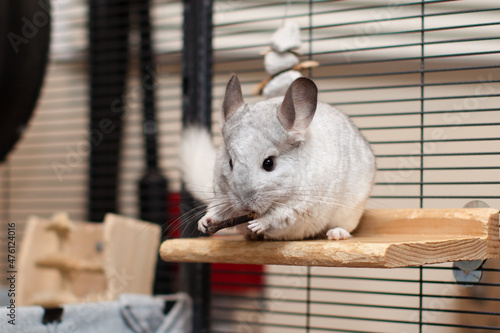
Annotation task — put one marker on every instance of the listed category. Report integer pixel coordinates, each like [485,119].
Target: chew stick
[213,228]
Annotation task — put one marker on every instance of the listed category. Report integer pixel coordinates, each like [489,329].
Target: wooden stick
[212,229]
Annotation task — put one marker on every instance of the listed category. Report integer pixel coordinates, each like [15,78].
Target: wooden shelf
[385,238]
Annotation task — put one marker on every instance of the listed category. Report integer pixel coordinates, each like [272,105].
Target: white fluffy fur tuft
[197,157]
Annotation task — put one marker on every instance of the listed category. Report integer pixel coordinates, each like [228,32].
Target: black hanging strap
[108,58]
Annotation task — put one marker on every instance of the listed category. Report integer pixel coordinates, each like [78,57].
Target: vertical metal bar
[308,299]
[310,35]
[422,101]
[422,110]
[197,102]
[197,63]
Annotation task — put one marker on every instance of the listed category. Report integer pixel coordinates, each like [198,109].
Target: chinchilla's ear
[299,106]
[233,98]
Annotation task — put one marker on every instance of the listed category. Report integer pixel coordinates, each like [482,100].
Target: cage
[419,78]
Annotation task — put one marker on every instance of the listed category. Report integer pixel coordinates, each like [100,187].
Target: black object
[52,315]
[25,36]
[153,186]
[108,59]
[197,101]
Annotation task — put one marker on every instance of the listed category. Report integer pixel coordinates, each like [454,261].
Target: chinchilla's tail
[197,159]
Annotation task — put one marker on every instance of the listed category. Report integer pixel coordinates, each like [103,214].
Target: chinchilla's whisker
[325,198]
[180,222]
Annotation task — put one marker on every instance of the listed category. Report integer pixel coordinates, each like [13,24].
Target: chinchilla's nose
[245,188]
[247,198]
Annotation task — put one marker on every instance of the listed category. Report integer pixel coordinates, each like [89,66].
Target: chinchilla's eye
[231,164]
[268,164]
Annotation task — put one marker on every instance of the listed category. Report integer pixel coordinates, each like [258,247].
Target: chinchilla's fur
[301,166]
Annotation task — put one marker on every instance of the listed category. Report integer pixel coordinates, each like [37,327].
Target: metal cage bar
[197,100]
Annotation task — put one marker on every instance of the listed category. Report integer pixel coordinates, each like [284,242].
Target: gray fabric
[132,313]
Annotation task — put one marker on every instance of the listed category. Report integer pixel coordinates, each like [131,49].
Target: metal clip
[468,273]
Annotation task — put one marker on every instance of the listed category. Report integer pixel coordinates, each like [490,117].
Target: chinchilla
[300,166]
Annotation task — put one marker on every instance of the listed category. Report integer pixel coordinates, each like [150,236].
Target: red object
[173,229]
[225,277]
[234,277]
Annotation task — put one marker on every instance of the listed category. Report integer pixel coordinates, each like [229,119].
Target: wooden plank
[131,250]
[384,238]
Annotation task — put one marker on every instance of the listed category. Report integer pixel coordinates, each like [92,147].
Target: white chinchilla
[300,166]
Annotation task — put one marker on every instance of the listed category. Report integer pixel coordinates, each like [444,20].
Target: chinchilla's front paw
[257,226]
[204,223]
